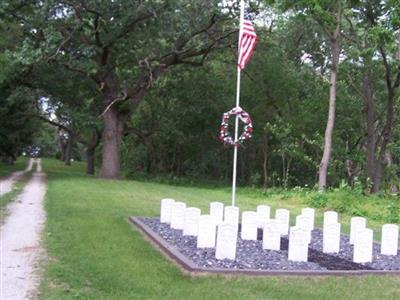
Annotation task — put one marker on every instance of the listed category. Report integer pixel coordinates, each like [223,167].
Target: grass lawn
[95,254]
[20,165]
[7,198]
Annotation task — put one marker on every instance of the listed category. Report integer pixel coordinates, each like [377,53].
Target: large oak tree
[123,47]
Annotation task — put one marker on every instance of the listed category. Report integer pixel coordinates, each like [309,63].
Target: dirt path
[7,184]
[20,241]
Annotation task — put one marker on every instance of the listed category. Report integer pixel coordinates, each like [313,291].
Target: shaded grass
[95,254]
[20,164]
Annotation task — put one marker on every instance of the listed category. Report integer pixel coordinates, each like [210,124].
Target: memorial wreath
[248,126]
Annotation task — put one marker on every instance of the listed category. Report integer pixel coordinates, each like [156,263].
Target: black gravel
[250,255]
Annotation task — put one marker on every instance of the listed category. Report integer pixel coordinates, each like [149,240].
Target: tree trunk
[112,136]
[68,151]
[8,160]
[149,155]
[393,186]
[90,159]
[62,144]
[91,145]
[390,115]
[335,52]
[265,163]
[370,118]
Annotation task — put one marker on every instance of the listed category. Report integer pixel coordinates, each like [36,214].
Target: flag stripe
[247,42]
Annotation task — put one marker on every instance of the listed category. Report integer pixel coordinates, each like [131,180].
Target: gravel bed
[250,255]
[379,262]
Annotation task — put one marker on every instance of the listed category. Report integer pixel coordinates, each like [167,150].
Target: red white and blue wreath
[248,127]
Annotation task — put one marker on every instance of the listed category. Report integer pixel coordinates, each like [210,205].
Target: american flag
[247,42]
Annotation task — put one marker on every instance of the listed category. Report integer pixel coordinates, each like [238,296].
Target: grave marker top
[309,212]
[298,246]
[283,217]
[304,222]
[363,246]
[390,239]
[178,215]
[330,217]
[331,238]
[166,210]
[356,224]
[226,241]
[191,223]
[271,235]
[217,211]
[232,215]
[249,225]
[206,233]
[263,212]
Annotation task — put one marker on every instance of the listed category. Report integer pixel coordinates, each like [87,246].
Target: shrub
[318,200]
[393,209]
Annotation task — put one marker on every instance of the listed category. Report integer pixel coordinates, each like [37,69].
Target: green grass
[7,198]
[95,254]
[20,165]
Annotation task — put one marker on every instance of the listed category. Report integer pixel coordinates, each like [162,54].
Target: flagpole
[235,148]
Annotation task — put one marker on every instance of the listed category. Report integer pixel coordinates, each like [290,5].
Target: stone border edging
[188,266]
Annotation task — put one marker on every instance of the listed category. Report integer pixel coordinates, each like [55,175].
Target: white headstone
[249,225]
[226,241]
[178,215]
[166,210]
[232,215]
[271,235]
[191,223]
[330,217]
[390,239]
[217,211]
[304,222]
[298,246]
[363,246]
[331,238]
[206,233]
[282,216]
[309,212]
[356,224]
[263,212]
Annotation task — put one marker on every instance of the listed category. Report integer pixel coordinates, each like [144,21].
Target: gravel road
[20,241]
[7,183]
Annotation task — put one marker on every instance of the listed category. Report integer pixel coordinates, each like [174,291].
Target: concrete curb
[188,266]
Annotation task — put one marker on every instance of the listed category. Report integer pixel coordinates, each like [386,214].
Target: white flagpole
[235,148]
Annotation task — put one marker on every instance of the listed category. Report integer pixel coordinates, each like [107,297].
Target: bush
[318,200]
[393,209]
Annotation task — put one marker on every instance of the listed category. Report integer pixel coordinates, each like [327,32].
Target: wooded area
[139,87]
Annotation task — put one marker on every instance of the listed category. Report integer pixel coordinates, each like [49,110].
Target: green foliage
[55,47]
[319,200]
[393,211]
[17,127]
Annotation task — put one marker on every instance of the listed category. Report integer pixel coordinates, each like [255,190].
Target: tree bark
[393,187]
[323,169]
[90,160]
[112,136]
[91,151]
[68,151]
[386,136]
[370,118]
[62,144]
[265,163]
[335,52]
[8,160]
[392,87]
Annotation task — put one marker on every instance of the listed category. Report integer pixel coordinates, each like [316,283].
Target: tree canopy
[144,83]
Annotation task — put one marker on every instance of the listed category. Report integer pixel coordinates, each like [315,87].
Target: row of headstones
[226,219]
